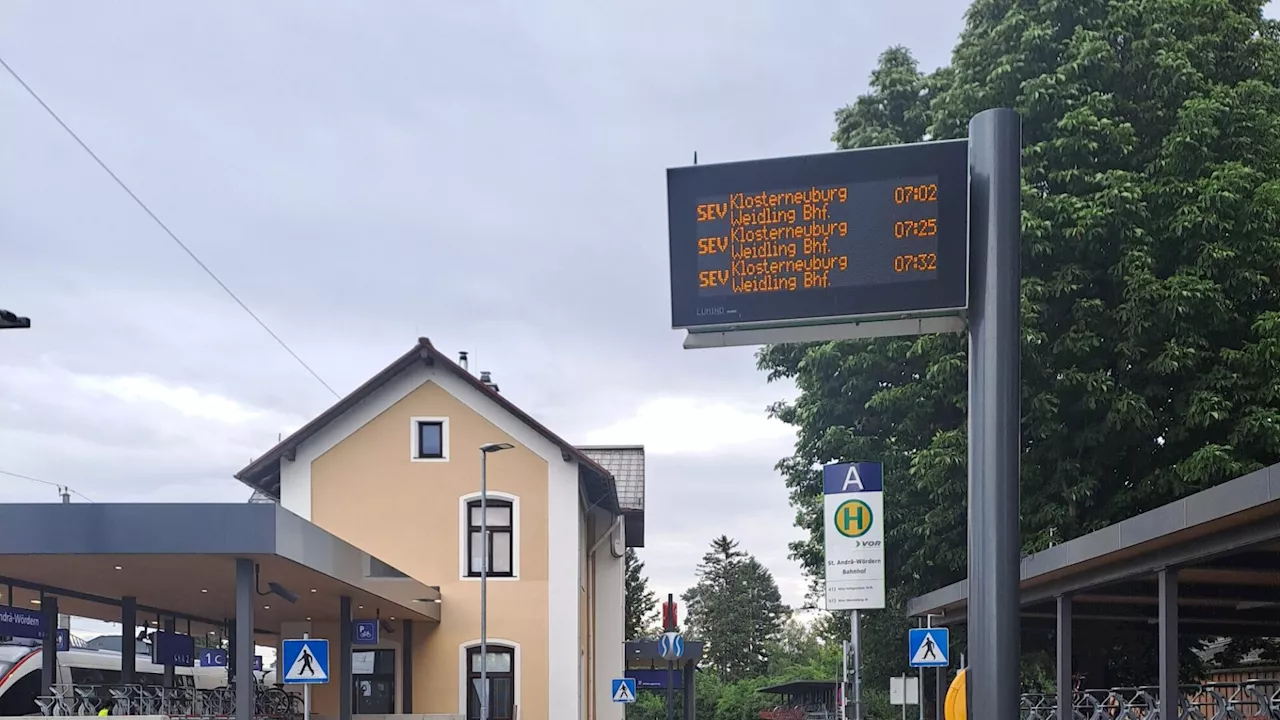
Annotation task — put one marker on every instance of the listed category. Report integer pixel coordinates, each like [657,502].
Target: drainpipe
[591,614]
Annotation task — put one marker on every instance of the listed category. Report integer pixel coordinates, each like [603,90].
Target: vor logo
[853,518]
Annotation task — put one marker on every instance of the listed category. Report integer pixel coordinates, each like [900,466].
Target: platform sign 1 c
[928,647]
[624,690]
[306,661]
[853,503]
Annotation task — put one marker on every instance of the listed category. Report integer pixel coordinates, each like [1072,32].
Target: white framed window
[502,667]
[503,526]
[429,439]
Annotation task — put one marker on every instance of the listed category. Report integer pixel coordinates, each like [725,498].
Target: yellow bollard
[955,707]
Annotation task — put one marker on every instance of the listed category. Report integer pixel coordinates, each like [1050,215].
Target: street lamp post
[484,573]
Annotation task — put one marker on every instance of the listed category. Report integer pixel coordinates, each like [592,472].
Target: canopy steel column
[690,695]
[246,589]
[1065,686]
[49,672]
[406,669]
[128,639]
[344,658]
[171,627]
[231,650]
[1170,694]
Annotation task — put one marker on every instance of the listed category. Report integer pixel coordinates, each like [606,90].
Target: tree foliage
[641,602]
[736,609]
[1150,297]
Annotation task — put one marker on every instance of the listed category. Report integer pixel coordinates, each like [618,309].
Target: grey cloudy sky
[490,175]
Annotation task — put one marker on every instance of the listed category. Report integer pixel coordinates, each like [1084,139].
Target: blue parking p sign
[364,632]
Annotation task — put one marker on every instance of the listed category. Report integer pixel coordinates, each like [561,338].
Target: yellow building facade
[394,469]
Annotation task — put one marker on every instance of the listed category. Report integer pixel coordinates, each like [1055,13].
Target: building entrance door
[373,676]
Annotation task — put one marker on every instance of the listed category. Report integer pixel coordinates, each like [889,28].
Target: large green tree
[1151,280]
[642,603]
[735,608]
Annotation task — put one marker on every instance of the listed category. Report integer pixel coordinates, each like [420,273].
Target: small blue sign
[305,662]
[64,639]
[671,646]
[257,663]
[19,623]
[841,478]
[213,657]
[173,649]
[364,632]
[928,647]
[655,679]
[624,690]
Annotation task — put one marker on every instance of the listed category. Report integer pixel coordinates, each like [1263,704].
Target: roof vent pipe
[462,359]
[486,378]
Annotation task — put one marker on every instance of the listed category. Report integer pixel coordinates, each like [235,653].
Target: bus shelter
[1206,565]
[804,700]
[253,571]
[646,666]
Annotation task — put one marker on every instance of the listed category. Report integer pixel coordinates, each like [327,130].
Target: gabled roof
[263,474]
[626,464]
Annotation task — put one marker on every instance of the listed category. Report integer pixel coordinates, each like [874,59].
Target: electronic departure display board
[877,232]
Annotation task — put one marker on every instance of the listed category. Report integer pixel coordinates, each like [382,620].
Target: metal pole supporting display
[671,692]
[995,188]
[844,680]
[855,642]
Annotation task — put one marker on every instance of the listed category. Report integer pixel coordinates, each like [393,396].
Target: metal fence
[78,700]
[1248,700]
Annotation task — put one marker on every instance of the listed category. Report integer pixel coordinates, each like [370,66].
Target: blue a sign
[173,649]
[257,663]
[213,657]
[928,647]
[19,623]
[364,632]
[305,662]
[64,639]
[655,679]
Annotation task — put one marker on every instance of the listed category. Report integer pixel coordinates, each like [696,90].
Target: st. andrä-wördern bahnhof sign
[876,232]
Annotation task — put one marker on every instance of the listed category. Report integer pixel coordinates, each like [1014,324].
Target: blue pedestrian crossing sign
[305,662]
[624,690]
[928,647]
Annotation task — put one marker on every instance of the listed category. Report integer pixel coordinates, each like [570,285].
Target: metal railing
[1248,700]
[271,702]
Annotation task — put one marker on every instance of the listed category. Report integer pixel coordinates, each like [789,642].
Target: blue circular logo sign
[671,646]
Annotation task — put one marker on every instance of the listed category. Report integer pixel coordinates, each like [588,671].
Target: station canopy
[179,560]
[1224,543]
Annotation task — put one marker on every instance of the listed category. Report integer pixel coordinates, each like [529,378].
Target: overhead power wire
[60,488]
[164,227]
